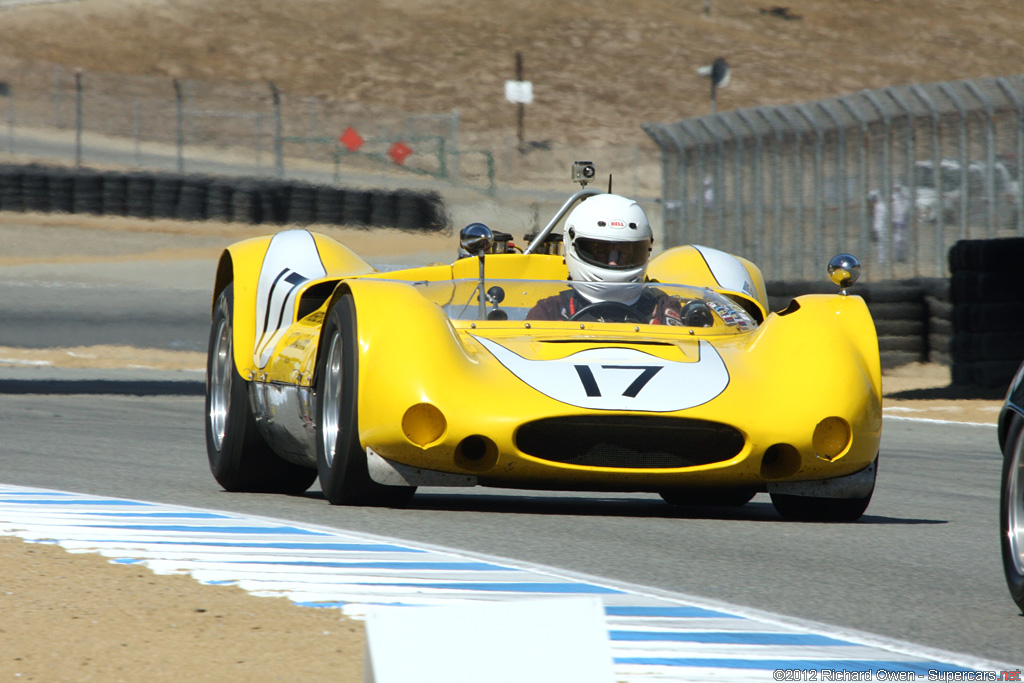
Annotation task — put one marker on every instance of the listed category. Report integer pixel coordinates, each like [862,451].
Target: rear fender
[513,266]
[706,267]
[269,274]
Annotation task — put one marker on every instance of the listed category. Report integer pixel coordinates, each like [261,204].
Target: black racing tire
[995,374]
[383,209]
[356,208]
[328,205]
[166,191]
[273,198]
[1011,511]
[940,326]
[899,328]
[909,343]
[892,293]
[340,457]
[1003,317]
[814,509]
[1001,346]
[999,255]
[246,206]
[899,310]
[301,207]
[940,348]
[192,198]
[894,359]
[240,459]
[694,497]
[938,307]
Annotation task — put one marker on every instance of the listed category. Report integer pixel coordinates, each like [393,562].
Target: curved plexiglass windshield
[544,300]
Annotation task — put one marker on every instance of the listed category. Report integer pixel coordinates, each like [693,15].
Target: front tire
[815,509]
[341,459]
[240,459]
[1011,511]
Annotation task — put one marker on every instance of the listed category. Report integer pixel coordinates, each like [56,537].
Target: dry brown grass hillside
[599,67]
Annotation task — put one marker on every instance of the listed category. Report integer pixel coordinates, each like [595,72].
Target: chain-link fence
[894,176]
[160,123]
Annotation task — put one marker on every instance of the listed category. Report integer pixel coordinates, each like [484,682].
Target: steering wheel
[611,308]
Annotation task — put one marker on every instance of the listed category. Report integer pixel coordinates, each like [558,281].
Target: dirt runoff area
[77,617]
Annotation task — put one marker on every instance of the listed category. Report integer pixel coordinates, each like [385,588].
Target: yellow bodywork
[804,388]
[687,261]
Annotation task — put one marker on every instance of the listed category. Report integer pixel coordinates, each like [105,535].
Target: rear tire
[341,458]
[240,459]
[1011,511]
[814,509]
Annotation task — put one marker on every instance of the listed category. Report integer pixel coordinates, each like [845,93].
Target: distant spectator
[900,209]
[879,224]
[880,234]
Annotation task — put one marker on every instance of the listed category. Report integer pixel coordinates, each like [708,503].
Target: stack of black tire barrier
[988,311]
[939,330]
[901,320]
[912,317]
[138,194]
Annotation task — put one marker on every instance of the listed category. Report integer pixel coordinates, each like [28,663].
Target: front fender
[408,349]
[820,358]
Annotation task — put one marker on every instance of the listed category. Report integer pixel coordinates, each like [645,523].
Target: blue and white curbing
[654,635]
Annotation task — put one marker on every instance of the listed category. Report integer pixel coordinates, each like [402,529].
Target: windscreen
[552,301]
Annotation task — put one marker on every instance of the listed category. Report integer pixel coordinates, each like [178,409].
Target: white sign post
[520,93]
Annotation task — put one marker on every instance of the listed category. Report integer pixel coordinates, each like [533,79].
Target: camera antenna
[609,183]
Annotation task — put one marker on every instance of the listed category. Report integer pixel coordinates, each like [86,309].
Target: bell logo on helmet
[618,224]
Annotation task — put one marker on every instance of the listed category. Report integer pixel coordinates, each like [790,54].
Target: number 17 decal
[620,378]
[590,382]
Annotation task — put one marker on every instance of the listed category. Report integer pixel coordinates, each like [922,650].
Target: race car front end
[614,406]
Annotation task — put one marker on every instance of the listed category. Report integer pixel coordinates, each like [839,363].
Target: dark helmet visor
[614,255]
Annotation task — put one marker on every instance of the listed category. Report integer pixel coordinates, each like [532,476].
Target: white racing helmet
[608,244]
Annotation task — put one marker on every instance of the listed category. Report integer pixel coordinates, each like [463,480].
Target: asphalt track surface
[922,566]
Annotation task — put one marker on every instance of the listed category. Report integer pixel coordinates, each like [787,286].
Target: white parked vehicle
[936,192]
[944,191]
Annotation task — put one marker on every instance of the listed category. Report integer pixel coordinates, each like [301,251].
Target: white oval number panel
[620,378]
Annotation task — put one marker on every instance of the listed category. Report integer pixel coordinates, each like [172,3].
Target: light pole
[718,73]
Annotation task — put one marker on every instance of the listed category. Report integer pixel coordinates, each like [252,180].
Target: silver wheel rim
[330,402]
[220,383]
[1015,505]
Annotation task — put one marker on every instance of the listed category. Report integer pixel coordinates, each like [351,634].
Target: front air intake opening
[476,453]
[780,460]
[630,441]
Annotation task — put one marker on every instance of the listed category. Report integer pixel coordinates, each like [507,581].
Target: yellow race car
[378,382]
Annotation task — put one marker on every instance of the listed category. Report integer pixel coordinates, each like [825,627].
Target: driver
[608,243]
